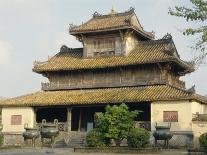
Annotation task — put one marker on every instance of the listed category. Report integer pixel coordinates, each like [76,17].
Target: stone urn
[30,134]
[49,131]
[163,133]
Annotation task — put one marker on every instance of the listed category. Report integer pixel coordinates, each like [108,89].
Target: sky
[32,30]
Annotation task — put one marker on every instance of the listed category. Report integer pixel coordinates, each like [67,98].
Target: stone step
[76,142]
[60,143]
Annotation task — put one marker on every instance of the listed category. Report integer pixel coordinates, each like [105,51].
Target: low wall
[199,127]
[13,138]
[179,139]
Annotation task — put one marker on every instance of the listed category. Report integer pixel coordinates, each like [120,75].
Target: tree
[197,14]
[116,122]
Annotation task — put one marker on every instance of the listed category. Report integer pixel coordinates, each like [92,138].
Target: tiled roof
[102,96]
[115,21]
[144,53]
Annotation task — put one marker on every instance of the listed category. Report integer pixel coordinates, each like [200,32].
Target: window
[16,119]
[170,116]
[104,43]
[104,47]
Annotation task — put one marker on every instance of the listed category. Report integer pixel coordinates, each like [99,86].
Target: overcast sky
[35,29]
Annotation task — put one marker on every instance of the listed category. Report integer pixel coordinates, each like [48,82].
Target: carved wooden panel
[16,119]
[170,116]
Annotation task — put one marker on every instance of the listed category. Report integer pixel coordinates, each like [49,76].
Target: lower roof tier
[104,96]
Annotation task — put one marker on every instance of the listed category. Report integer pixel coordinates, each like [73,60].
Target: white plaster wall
[197,107]
[130,44]
[27,117]
[184,109]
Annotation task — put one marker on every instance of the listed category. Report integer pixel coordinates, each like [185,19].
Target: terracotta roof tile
[111,22]
[145,52]
[102,96]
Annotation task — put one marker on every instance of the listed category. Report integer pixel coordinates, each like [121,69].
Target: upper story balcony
[66,86]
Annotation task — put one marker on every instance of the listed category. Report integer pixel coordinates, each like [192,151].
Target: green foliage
[197,14]
[1,139]
[138,138]
[95,138]
[203,140]
[116,122]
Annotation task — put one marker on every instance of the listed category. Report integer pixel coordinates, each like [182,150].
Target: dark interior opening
[50,114]
[83,115]
[145,111]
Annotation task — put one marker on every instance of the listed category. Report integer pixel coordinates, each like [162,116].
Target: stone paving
[69,151]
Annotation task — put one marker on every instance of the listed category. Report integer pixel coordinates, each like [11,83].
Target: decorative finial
[113,11]
[191,90]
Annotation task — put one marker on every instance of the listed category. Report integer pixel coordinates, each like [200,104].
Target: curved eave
[143,33]
[186,68]
[135,95]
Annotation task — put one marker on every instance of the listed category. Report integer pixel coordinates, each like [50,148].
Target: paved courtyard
[67,151]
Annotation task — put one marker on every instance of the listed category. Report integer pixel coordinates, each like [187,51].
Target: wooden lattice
[170,116]
[16,119]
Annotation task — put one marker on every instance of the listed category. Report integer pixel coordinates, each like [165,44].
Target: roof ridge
[128,12]
[181,89]
[158,41]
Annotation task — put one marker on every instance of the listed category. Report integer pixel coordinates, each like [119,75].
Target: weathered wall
[184,109]
[27,114]
[198,108]
[182,130]
[117,76]
[130,43]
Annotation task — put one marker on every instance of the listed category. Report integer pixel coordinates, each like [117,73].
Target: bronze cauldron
[30,134]
[163,133]
[49,131]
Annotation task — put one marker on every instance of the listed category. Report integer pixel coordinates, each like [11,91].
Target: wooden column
[69,115]
[80,119]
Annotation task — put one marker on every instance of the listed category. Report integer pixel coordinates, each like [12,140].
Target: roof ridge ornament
[191,90]
[131,9]
[96,14]
[113,11]
[64,48]
[167,36]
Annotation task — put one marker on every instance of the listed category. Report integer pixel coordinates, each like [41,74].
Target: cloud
[5,54]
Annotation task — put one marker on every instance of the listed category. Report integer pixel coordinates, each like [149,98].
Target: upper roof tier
[111,22]
[145,52]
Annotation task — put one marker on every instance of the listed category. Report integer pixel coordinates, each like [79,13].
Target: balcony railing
[199,117]
[57,86]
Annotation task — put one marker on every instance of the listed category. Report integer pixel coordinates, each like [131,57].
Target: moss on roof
[144,53]
[115,21]
[103,96]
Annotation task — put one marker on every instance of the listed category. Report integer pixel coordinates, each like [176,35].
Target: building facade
[120,62]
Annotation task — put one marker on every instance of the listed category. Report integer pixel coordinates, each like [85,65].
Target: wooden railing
[57,86]
[199,117]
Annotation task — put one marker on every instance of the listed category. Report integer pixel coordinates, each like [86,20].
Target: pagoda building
[119,62]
